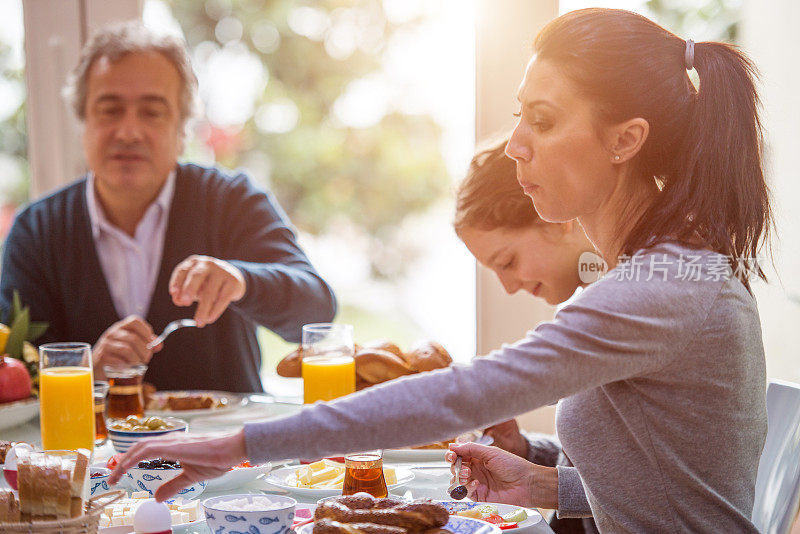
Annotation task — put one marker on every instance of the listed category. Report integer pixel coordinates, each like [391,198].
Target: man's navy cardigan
[50,258]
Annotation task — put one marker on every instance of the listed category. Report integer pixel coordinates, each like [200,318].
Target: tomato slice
[507,526]
[114,460]
[494,519]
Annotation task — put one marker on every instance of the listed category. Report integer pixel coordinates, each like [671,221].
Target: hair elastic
[689,55]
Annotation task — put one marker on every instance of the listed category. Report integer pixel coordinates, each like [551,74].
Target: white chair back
[778,479]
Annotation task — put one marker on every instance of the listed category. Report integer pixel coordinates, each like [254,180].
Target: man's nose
[130,127]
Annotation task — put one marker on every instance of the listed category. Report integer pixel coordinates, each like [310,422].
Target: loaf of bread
[379,361]
[9,507]
[50,486]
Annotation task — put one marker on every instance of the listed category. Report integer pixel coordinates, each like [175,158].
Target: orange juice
[67,408]
[327,377]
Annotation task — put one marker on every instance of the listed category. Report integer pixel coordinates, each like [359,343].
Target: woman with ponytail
[659,366]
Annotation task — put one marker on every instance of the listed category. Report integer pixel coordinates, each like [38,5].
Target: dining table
[431,473]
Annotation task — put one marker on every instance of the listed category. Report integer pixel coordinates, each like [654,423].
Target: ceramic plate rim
[264,469]
[279,481]
[529,522]
[240,399]
[29,407]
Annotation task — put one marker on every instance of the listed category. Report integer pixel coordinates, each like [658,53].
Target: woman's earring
[616,157]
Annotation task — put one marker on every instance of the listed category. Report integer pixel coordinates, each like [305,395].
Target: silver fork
[170,328]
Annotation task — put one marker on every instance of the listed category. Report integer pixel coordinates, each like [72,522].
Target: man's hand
[491,474]
[508,437]
[201,457]
[124,343]
[210,282]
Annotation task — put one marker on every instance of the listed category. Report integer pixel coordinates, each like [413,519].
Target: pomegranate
[15,382]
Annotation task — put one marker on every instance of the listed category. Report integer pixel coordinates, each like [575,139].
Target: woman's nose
[517,148]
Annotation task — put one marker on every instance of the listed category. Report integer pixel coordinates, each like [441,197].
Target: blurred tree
[701,20]
[325,167]
[13,135]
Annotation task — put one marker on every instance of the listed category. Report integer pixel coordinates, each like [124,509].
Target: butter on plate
[327,474]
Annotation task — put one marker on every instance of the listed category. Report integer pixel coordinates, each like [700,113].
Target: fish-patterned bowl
[277,520]
[140,479]
[98,480]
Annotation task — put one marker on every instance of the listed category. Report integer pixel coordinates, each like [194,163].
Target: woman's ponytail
[725,190]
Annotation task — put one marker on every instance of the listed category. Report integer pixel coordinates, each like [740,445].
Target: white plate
[414,455]
[456,525]
[534,517]
[238,476]
[235,401]
[18,412]
[184,528]
[279,478]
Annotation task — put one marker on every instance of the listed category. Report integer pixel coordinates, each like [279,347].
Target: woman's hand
[201,457]
[508,437]
[494,475]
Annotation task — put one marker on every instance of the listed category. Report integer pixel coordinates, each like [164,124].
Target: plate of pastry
[190,403]
[393,517]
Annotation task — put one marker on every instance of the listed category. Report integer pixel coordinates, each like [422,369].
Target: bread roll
[376,366]
[291,365]
[428,356]
[386,345]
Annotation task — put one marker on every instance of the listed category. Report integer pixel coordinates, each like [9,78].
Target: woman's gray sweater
[661,368]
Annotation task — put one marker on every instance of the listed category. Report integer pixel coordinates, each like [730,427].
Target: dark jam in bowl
[159,463]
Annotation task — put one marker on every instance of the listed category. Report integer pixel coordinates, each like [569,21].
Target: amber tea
[125,391]
[364,472]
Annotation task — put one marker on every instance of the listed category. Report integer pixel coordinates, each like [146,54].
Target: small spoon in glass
[170,328]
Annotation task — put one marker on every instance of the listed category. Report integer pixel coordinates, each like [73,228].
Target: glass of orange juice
[329,370]
[66,396]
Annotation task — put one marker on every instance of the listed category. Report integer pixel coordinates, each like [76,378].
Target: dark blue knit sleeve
[284,291]
[23,257]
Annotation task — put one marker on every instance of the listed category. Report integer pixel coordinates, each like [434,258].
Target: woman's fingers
[473,492]
[171,487]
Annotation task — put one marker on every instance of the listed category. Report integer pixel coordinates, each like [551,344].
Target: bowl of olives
[125,432]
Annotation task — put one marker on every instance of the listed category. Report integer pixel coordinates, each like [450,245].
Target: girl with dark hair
[497,223]
[499,226]
[659,365]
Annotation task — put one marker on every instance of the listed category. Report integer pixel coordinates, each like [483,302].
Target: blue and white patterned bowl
[139,479]
[124,439]
[277,521]
[98,484]
[466,525]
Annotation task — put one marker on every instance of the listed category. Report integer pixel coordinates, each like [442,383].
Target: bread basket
[87,523]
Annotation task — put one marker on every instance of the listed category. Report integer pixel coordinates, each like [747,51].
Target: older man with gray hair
[142,240]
